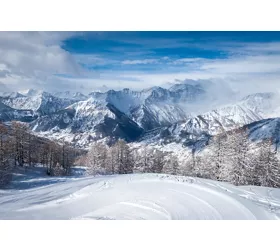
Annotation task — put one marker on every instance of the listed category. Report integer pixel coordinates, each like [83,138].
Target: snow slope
[136,196]
[265,129]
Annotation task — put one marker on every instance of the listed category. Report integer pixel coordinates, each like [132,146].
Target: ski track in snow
[137,196]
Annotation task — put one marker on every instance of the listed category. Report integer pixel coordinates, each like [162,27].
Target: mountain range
[187,113]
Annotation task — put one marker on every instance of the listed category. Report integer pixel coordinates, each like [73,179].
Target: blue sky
[89,60]
[158,51]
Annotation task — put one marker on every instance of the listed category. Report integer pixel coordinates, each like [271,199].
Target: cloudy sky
[86,61]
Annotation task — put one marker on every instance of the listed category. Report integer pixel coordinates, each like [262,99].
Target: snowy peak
[261,101]
[76,96]
[184,110]
[40,102]
[151,107]
[156,95]
[184,87]
[225,118]
[175,94]
[87,121]
[123,100]
[31,92]
[265,104]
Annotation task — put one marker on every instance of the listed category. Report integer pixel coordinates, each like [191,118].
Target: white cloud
[93,60]
[144,61]
[31,59]
[33,56]
[164,59]
[186,60]
[253,48]
[261,64]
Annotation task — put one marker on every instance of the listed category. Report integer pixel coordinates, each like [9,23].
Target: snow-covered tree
[211,164]
[143,159]
[205,167]
[96,159]
[157,161]
[112,160]
[171,165]
[237,158]
[267,166]
[124,159]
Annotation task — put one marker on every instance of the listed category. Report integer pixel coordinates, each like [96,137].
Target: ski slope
[136,196]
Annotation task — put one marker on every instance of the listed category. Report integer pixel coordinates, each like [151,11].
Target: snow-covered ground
[135,196]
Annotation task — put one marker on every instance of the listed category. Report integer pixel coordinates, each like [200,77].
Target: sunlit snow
[135,196]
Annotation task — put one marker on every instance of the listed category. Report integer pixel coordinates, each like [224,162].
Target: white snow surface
[136,196]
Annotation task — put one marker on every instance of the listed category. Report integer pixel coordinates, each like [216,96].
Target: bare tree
[112,157]
[171,165]
[5,160]
[19,131]
[238,158]
[97,159]
[157,161]
[125,161]
[267,166]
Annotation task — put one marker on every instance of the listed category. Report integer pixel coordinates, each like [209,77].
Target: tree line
[121,158]
[229,157]
[233,158]
[19,148]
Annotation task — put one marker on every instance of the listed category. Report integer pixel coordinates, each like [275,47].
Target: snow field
[138,196]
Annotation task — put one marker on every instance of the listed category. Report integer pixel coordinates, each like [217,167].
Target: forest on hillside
[19,148]
[229,157]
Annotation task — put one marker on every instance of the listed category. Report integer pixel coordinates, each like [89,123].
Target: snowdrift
[137,196]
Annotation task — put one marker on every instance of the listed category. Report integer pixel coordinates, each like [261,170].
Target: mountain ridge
[170,114]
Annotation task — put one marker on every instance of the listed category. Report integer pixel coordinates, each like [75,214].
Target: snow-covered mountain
[265,129]
[126,113]
[87,121]
[154,107]
[263,104]
[186,112]
[30,92]
[199,128]
[40,102]
[76,96]
[8,114]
